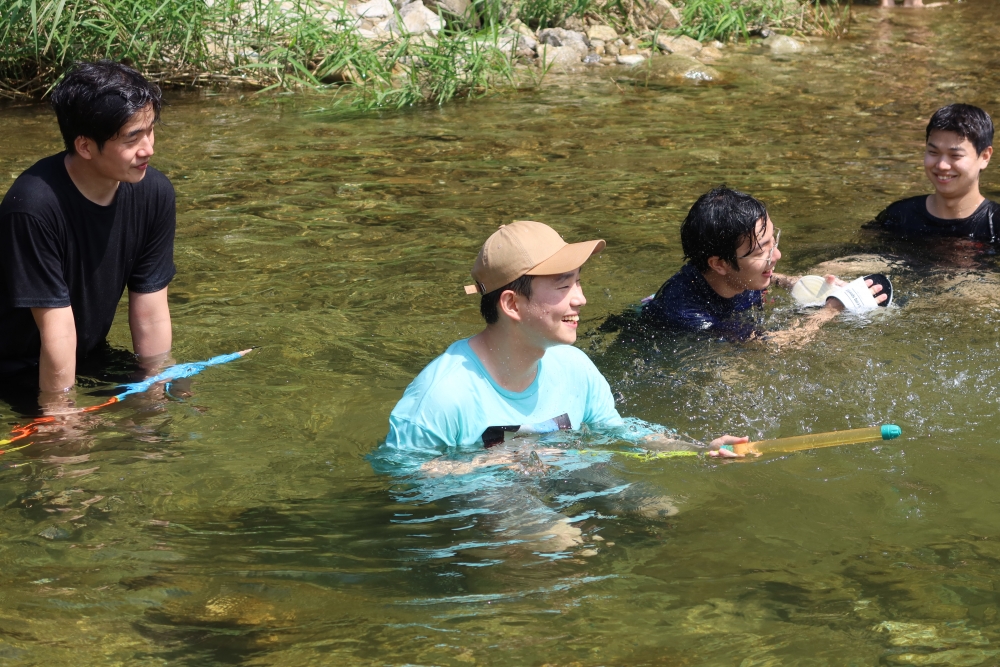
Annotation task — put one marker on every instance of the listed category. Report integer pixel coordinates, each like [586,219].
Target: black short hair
[966,121]
[96,100]
[718,223]
[488,304]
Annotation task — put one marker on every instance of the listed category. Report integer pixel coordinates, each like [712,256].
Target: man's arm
[149,323]
[57,359]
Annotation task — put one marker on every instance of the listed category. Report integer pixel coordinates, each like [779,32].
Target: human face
[756,261]
[125,156]
[952,164]
[552,314]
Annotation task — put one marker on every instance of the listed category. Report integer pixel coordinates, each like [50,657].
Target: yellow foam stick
[799,443]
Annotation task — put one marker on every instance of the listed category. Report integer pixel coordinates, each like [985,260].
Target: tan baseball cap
[526,248]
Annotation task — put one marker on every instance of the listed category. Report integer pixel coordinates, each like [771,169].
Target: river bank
[380,53]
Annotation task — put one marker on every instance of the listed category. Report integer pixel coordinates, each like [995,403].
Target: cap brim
[571,256]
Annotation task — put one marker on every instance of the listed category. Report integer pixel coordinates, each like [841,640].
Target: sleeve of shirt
[154,268]
[601,410]
[32,263]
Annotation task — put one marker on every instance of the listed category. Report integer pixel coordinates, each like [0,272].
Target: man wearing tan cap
[521,374]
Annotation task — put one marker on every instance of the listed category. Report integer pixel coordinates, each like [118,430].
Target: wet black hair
[96,100]
[488,305]
[718,223]
[966,121]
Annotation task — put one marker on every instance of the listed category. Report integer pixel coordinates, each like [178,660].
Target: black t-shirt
[910,218]
[58,248]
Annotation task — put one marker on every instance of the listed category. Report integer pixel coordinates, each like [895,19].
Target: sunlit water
[243,524]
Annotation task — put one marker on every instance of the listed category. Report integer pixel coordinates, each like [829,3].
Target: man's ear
[986,155]
[85,147]
[719,265]
[509,306]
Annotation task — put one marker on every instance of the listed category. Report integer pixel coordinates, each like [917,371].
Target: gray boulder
[562,37]
[560,58]
[459,8]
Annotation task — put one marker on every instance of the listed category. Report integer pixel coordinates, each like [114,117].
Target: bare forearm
[783,281]
[149,323]
[57,357]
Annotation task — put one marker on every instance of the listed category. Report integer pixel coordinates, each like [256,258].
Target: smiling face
[952,163]
[552,314]
[755,268]
[125,156]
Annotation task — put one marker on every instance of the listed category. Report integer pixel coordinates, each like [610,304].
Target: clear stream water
[242,524]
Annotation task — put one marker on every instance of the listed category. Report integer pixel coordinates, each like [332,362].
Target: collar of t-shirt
[532,389]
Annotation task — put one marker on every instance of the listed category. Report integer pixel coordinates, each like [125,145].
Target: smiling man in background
[959,147]
[78,228]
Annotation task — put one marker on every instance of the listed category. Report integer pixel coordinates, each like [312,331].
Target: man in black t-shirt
[959,147]
[79,227]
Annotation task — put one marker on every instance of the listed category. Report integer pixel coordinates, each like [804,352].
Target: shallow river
[241,523]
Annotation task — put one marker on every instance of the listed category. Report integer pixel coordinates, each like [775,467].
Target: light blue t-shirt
[455,406]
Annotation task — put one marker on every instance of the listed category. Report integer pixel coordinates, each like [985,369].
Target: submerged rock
[677,68]
[54,533]
[709,54]
[852,266]
[782,44]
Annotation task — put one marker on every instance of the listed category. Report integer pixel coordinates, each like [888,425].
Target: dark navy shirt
[687,301]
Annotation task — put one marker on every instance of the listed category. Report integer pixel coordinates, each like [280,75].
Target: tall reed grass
[260,44]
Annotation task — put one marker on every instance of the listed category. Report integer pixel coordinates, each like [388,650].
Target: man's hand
[715,449]
[57,359]
[149,323]
[836,306]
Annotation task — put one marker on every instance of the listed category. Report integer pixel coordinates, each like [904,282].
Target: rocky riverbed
[579,44]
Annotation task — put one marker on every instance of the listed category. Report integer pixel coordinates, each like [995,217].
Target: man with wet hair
[732,248]
[520,374]
[81,226]
[959,144]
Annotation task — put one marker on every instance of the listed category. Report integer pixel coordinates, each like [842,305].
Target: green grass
[310,44]
[729,19]
[256,44]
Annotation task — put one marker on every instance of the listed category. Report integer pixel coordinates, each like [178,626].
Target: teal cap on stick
[891,431]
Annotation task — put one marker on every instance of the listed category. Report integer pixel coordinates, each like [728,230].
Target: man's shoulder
[155,187]
[35,190]
[447,378]
[902,211]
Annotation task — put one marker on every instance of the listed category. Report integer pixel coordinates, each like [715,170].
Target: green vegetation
[257,44]
[726,19]
[313,44]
